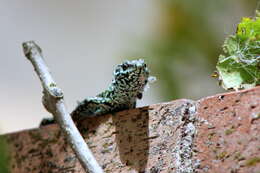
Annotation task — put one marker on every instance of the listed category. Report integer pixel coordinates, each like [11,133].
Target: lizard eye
[139,95]
[124,67]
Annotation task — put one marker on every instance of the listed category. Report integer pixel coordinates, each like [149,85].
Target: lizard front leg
[92,107]
[87,108]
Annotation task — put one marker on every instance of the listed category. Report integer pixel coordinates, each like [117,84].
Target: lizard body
[129,81]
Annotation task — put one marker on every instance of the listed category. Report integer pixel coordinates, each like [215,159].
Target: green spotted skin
[129,81]
[128,84]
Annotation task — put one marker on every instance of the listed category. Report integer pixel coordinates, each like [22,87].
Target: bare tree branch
[54,103]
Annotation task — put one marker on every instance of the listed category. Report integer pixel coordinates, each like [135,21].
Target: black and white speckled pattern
[129,81]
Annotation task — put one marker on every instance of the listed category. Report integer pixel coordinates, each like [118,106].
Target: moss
[238,156]
[210,136]
[106,145]
[215,150]
[229,131]
[105,151]
[222,155]
[253,161]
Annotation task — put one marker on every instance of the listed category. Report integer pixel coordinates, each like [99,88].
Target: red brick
[215,134]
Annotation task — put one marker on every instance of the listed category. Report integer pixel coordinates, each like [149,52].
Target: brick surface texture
[215,134]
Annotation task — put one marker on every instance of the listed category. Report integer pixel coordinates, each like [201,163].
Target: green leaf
[239,66]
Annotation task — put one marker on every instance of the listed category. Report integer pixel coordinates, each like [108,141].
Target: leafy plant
[239,67]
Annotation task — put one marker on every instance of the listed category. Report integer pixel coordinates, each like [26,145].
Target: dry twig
[54,103]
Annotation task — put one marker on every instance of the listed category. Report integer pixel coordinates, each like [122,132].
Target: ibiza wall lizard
[129,81]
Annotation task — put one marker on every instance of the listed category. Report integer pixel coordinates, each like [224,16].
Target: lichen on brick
[184,162]
[252,161]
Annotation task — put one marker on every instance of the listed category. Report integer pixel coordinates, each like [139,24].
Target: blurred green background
[184,48]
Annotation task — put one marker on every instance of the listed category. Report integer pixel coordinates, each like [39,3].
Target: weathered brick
[215,134]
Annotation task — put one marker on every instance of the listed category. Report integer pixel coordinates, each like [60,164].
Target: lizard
[129,81]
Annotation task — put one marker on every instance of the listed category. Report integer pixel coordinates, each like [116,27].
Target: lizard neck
[123,92]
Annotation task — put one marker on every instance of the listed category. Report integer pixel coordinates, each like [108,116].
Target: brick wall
[215,134]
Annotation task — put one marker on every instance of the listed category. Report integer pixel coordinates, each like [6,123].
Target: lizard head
[131,77]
